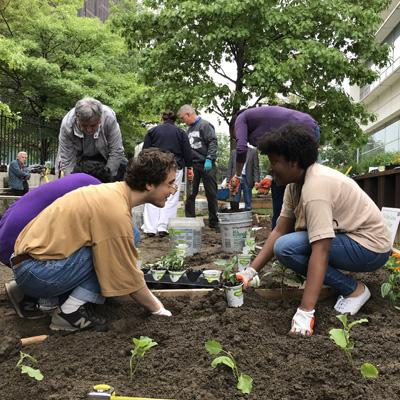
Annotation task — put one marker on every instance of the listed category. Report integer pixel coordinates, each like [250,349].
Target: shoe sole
[16,306]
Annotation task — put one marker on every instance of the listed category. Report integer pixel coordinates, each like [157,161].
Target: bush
[376,160]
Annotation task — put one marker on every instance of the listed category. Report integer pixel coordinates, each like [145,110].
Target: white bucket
[234,295]
[234,227]
[189,232]
[137,216]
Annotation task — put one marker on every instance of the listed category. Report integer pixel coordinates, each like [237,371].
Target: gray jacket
[107,142]
[17,176]
[252,166]
[203,141]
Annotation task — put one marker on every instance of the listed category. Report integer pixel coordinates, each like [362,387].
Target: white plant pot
[234,295]
[175,275]
[157,274]
[212,275]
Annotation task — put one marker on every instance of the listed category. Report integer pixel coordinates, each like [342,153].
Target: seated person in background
[327,224]
[84,242]
[90,131]
[18,175]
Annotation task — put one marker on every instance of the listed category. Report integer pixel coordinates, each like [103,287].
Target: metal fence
[37,138]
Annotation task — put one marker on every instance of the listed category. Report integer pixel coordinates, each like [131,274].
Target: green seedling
[229,273]
[27,369]
[244,382]
[391,288]
[140,347]
[172,261]
[342,339]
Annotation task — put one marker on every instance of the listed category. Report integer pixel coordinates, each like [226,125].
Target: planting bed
[283,367]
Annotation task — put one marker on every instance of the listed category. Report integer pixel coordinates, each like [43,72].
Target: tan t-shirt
[98,216]
[330,203]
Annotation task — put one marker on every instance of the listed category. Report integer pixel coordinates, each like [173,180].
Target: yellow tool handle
[116,397]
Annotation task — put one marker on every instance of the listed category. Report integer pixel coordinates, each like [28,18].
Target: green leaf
[358,322]
[32,372]
[339,337]
[369,371]
[385,289]
[223,360]
[245,383]
[213,346]
[342,318]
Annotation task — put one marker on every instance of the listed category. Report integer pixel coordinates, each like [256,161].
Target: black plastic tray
[191,279]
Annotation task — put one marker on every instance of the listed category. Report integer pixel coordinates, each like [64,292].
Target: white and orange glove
[189,174]
[246,276]
[234,184]
[303,322]
[264,185]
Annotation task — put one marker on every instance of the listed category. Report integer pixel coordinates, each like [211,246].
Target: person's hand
[234,185]
[303,322]
[207,164]
[190,174]
[163,312]
[246,276]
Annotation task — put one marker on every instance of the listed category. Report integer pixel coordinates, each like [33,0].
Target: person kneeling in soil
[82,244]
[327,224]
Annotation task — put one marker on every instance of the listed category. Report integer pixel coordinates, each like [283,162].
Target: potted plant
[232,286]
[175,262]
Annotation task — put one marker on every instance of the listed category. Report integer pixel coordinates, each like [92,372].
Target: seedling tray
[191,279]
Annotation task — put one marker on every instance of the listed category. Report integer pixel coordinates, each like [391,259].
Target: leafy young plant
[342,339]
[229,273]
[172,261]
[140,347]
[391,288]
[34,373]
[244,382]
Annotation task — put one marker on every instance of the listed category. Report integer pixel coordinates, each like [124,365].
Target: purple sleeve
[241,131]
[19,214]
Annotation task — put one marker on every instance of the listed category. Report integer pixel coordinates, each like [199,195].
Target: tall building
[95,8]
[382,97]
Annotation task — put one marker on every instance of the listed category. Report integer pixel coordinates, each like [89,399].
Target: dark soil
[283,367]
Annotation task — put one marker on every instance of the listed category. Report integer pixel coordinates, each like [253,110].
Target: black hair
[151,166]
[94,168]
[168,116]
[293,141]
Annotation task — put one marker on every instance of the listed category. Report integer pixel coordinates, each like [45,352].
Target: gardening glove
[190,174]
[303,322]
[163,312]
[234,184]
[246,276]
[264,185]
[207,164]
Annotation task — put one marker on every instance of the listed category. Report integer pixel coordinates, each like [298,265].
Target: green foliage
[51,58]
[171,261]
[244,382]
[140,347]
[391,288]
[342,339]
[375,160]
[26,368]
[261,49]
[229,273]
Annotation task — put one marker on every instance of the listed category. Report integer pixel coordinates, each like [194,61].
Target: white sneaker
[351,305]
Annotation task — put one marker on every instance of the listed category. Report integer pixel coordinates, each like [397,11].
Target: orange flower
[395,255]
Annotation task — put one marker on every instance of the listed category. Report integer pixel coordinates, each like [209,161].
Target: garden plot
[179,366]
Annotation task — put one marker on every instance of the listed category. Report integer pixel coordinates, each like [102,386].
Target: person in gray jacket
[90,131]
[249,177]
[204,144]
[18,175]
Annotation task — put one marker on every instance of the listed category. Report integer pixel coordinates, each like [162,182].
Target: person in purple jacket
[250,125]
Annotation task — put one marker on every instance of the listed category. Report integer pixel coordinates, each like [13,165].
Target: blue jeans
[52,278]
[136,234]
[246,189]
[293,250]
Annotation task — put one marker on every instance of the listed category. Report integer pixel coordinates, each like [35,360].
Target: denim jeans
[52,278]
[246,189]
[293,250]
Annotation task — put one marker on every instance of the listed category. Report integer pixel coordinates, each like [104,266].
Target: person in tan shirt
[83,243]
[327,224]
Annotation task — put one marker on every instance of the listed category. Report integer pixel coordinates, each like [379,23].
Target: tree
[50,58]
[299,49]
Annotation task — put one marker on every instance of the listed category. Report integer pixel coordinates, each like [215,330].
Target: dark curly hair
[294,142]
[151,166]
